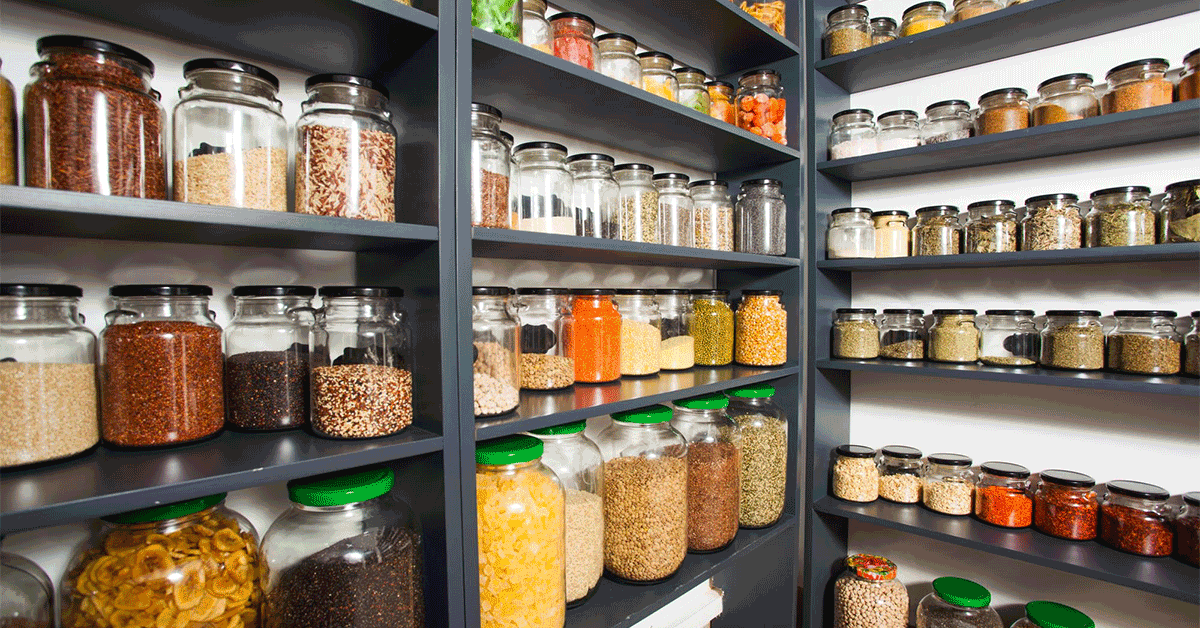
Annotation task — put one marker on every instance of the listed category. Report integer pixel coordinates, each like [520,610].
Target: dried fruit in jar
[765,116]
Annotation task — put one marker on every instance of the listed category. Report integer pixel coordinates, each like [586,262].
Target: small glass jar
[967,9]
[161,367]
[596,195]
[771,13]
[657,76]
[921,17]
[574,39]
[957,603]
[1137,85]
[535,28]
[1121,216]
[1073,339]
[762,109]
[267,357]
[231,140]
[545,189]
[497,351]
[26,594]
[898,130]
[491,162]
[892,234]
[1065,505]
[883,30]
[937,231]
[641,334]
[902,334]
[1009,338]
[362,363]
[712,327]
[547,362]
[760,326]
[1053,222]
[713,215]
[851,234]
[8,132]
[714,460]
[947,121]
[1064,98]
[1002,495]
[1135,518]
[1187,529]
[1191,348]
[692,93]
[521,509]
[764,429]
[676,226]
[992,227]
[638,215]
[846,30]
[855,476]
[645,496]
[1180,217]
[1041,613]
[344,110]
[1189,78]
[1002,110]
[595,341]
[720,101]
[868,595]
[498,17]
[194,559]
[618,58]
[852,133]
[954,336]
[760,218]
[855,334]
[678,351]
[900,474]
[1144,342]
[316,553]
[948,484]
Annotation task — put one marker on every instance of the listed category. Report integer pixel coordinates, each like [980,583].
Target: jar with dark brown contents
[1002,110]
[714,461]
[1138,85]
[1191,348]
[8,133]
[1187,529]
[266,357]
[1064,505]
[161,367]
[1135,518]
[92,122]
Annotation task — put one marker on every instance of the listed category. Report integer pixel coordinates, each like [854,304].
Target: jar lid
[591,157]
[543,291]
[509,450]
[648,414]
[937,208]
[945,103]
[962,592]
[850,7]
[889,212]
[1140,62]
[719,84]
[339,489]
[1000,203]
[274,291]
[1005,469]
[750,182]
[346,79]
[898,112]
[617,36]
[1073,313]
[656,55]
[491,291]
[1009,312]
[541,146]
[1191,54]
[1062,196]
[703,182]
[762,293]
[39,290]
[710,292]
[151,290]
[925,5]
[478,107]
[1132,488]
[871,567]
[1196,314]
[672,176]
[645,167]
[1062,477]
[753,391]
[950,460]
[573,427]
[1054,615]
[1192,498]
[98,45]
[1074,76]
[1190,183]
[711,401]
[167,511]
[903,452]
[334,292]
[855,310]
[233,66]
[634,292]
[1123,189]
[1004,91]
[672,291]
[850,210]
[904,311]
[687,69]
[1146,313]
[570,15]
[851,112]
[855,451]
[759,72]
[583,292]
[506,136]
[884,21]
[952,312]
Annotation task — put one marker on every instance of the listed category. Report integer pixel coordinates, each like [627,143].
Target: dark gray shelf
[1119,382]
[1181,119]
[1183,251]
[1033,26]
[1165,576]
[108,481]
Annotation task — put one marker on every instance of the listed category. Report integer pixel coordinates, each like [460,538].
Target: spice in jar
[1134,518]
[573,39]
[855,334]
[883,30]
[1073,339]
[992,227]
[1144,342]
[855,476]
[891,233]
[922,17]
[1181,212]
[846,30]
[1002,495]
[1065,98]
[937,231]
[1137,85]
[1065,505]
[1122,216]
[954,336]
[764,455]
[1052,223]
[8,133]
[902,334]
[1002,110]
[1189,79]
[760,329]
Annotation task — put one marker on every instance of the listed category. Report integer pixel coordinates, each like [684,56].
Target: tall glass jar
[898,130]
[641,334]
[764,430]
[1137,85]
[1135,518]
[900,474]
[342,111]
[498,16]
[712,327]
[545,188]
[346,552]
[851,234]
[521,510]
[678,345]
[362,363]
[639,203]
[1041,613]
[1189,79]
[947,484]
[868,595]
[855,334]
[957,602]
[846,30]
[720,101]
[490,169]
[26,594]
[514,181]
[267,357]
[1009,338]
[883,30]
[1145,342]
[692,93]
[1191,350]
[676,225]
[645,496]
[547,361]
[954,336]
[8,132]
[947,121]
[1053,222]
[713,212]
[1180,218]
[967,9]
[761,334]
[231,140]
[852,133]
[595,341]
[714,460]
[1064,98]
[855,476]
[902,334]
[992,227]
[1002,110]
[760,218]
[47,373]
[574,39]
[892,234]
[937,231]
[618,58]
[922,17]
[92,121]
[497,349]
[596,196]
[161,367]
[1187,530]
[1121,216]
[535,28]
[1073,339]
[762,109]
[1065,505]
[657,76]
[1002,496]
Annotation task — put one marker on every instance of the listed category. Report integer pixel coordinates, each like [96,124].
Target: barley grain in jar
[948,484]
[855,334]
[900,474]
[1073,339]
[846,30]
[954,336]
[1144,342]
[547,358]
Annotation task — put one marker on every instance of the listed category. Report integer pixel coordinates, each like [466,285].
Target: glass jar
[8,132]
[851,234]
[868,595]
[692,93]
[855,334]
[954,336]
[497,351]
[47,373]
[720,101]
[713,215]
[1002,495]
[1189,79]
[883,30]
[645,496]
[194,559]
[678,350]
[1180,217]
[1191,350]
[1137,85]
[714,461]
[967,9]
[577,462]
[1053,222]
[902,334]
[846,30]
[657,75]
[937,231]
[26,594]
[1065,506]
[1064,98]
[618,58]
[92,121]
[676,226]
[1040,613]
[513,181]
[574,39]
[1073,339]
[522,527]
[921,17]
[770,13]
[957,603]
[490,169]
[1121,216]
[852,133]
[596,195]
[898,130]
[547,362]
[1009,338]
[1144,342]
[345,553]
[855,476]
[947,121]
[639,203]
[1187,529]
[760,329]
[712,327]
[762,109]
[891,233]
[1002,110]
[900,474]
[760,218]
[231,140]
[499,17]
[535,28]
[764,430]
[992,227]
[1135,518]
[267,357]
[947,484]
[596,338]
[161,367]
[641,334]
[545,189]
[344,110]
[361,363]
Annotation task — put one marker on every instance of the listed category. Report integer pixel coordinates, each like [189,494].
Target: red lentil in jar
[1065,505]
[1002,495]
[573,39]
[1187,529]
[1134,518]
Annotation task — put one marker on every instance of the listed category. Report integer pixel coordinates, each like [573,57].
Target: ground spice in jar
[1135,95]
[267,390]
[760,331]
[712,328]
[1065,506]
[858,340]
[1138,353]
[645,517]
[1126,224]
[1074,346]
[1004,506]
[212,179]
[764,469]
[584,542]
[361,400]
[574,45]
[1191,364]
[330,181]
[8,133]
[1135,531]
[714,495]
[47,411]
[1187,530]
[855,477]
[493,200]
[1002,119]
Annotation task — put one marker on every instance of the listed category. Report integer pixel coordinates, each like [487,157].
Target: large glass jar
[898,130]
[676,225]
[900,474]
[712,327]
[892,234]
[1064,98]
[641,334]
[957,603]
[639,203]
[497,351]
[1189,79]
[937,231]
[547,361]
[1052,222]
[772,13]
[902,334]
[855,334]
[762,109]
[26,594]
[947,484]
[645,496]
[181,564]
[1180,217]
[760,218]
[1073,339]
[8,132]
[535,28]
[1187,529]
[231,140]
[953,337]
[714,461]
[346,553]
[1009,338]
[868,595]
[502,17]
[1135,518]
[947,121]
[343,111]
[720,101]
[1065,506]
[92,121]
[692,93]
[967,9]
[1121,216]
[1137,85]
[545,188]
[678,345]
[855,476]
[521,511]
[764,430]
[851,234]
[267,357]
[362,363]
[713,215]
[596,196]
[618,58]
[760,327]
[1039,614]
[596,338]
[490,169]
[1144,342]
[47,374]
[992,227]
[1002,496]
[921,17]
[658,78]
[1191,348]
[846,30]
[161,367]
[574,38]
[852,133]
[883,30]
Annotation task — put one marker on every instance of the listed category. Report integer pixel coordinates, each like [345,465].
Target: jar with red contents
[574,38]
[1002,495]
[1187,529]
[1064,505]
[595,340]
[1135,518]
[761,107]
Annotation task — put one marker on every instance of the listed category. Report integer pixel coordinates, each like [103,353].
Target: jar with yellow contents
[922,17]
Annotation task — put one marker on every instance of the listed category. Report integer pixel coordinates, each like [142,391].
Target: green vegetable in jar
[497,16]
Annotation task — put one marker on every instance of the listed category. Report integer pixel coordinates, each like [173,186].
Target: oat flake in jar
[760,329]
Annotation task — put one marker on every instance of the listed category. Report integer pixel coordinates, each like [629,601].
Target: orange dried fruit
[190,588]
[222,586]
[150,562]
[208,609]
[237,567]
[135,598]
[228,540]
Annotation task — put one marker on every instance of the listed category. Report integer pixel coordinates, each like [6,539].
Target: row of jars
[1132,516]
[557,510]
[200,563]
[850,28]
[1143,342]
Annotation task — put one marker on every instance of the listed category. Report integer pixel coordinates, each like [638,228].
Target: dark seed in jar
[267,390]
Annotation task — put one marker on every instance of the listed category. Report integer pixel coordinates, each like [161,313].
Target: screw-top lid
[672,291]
[1062,477]
[656,55]
[925,5]
[716,182]
[507,137]
[491,291]
[711,401]
[1000,202]
[1062,196]
[619,36]
[897,112]
[39,290]
[1180,185]
[1004,91]
[849,7]
[478,107]
[274,291]
[1054,615]
[950,460]
[937,208]
[509,450]
[591,157]
[759,72]
[725,84]
[752,182]
[855,451]
[1132,488]
[687,69]
[1073,313]
[753,391]
[903,452]
[710,292]
[644,292]
[646,167]
[1122,189]
[762,293]
[151,290]
[884,21]
[233,66]
[847,112]
[648,414]
[167,511]
[359,291]
[1146,313]
[889,212]
[954,312]
[1005,469]
[543,291]
[540,146]
[339,489]
[672,176]
[347,79]
[871,567]
[98,45]
[1074,76]
[962,592]
[1140,62]
[1009,312]
[574,427]
[855,310]
[1192,498]
[902,310]
[592,292]
[571,15]
[944,103]
[850,210]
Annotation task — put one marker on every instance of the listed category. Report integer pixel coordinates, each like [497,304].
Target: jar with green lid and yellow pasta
[712,327]
[760,329]
[1122,216]
[1073,339]
[922,17]
[1179,219]
[846,30]
[954,336]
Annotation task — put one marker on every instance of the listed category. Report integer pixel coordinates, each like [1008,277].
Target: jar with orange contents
[720,105]
[595,340]
[762,109]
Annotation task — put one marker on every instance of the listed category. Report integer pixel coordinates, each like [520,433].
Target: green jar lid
[714,401]
[339,489]
[558,430]
[753,391]
[1054,615]
[167,511]
[649,414]
[509,450]
[962,592]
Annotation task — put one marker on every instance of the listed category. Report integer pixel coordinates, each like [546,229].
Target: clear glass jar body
[967,9]
[1073,340]
[869,602]
[761,334]
[714,461]
[1145,343]
[720,101]
[618,59]
[658,77]
[498,17]
[577,462]
[1002,111]
[713,211]
[1065,510]
[1004,500]
[855,334]
[899,474]
[497,365]
[1137,525]
[596,338]
[923,17]
[884,30]
[490,171]
[1187,530]
[514,183]
[1122,217]
[329,180]
[1180,216]
[597,198]
[1191,349]
[772,14]
[545,189]
[892,234]
[26,594]
[678,350]
[93,123]
[1009,338]
[851,234]
[947,121]
[992,227]
[898,130]
[692,93]
[547,361]
[954,337]
[902,335]
[855,476]
[231,141]
[762,109]
[764,431]
[948,488]
[574,39]
[712,327]
[1052,223]
[934,612]
[1070,97]
[8,133]
[641,333]
[535,28]
[1189,79]
[846,30]
[937,232]
[853,133]
[639,205]
[676,225]
[760,218]
[267,362]
[1137,85]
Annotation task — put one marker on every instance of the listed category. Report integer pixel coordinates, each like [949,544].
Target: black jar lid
[1121,189]
[1196,314]
[855,111]
[1005,469]
[1192,498]
[925,5]
[850,210]
[847,7]
[618,37]
[937,208]
[943,103]
[950,460]
[889,212]
[855,310]
[903,452]
[39,290]
[1190,183]
[687,69]
[1138,63]
[543,291]
[274,291]
[656,55]
[160,290]
[508,137]
[1073,313]
[1146,313]
[478,107]
[1074,76]
[999,202]
[703,182]
[762,293]
[902,310]
[897,112]
[1062,477]
[719,84]
[573,16]
[592,292]
[232,66]
[645,167]
[884,20]
[1062,196]
[673,291]
[759,72]
[491,291]
[98,45]
[347,79]
[855,451]
[672,176]
[749,182]
[1004,91]
[1133,488]
[645,292]
[540,146]
[952,312]
[591,157]
[1009,313]
[710,292]
[360,291]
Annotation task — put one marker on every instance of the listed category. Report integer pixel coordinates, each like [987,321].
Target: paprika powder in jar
[574,39]
[762,109]
[595,340]
[1135,518]
[1064,505]
[1002,495]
